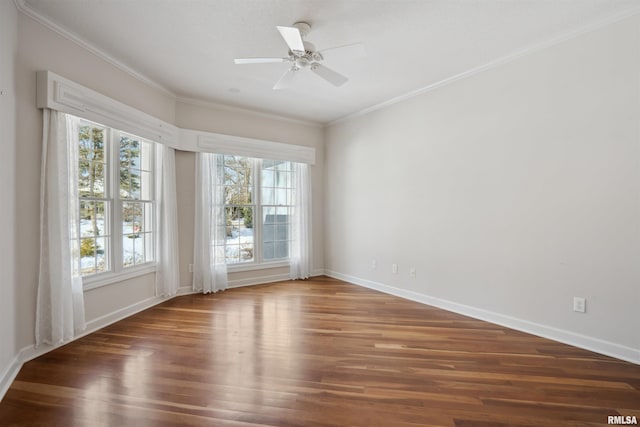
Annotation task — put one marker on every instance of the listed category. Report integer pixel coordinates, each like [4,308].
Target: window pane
[282,232]
[132,217]
[269,215]
[268,233]
[92,143]
[239,240]
[135,162]
[92,255]
[125,184]
[283,179]
[92,219]
[91,178]
[88,255]
[129,250]
[130,164]
[137,241]
[282,215]
[268,195]
[281,196]
[134,183]
[275,233]
[281,250]
[129,152]
[238,178]
[266,176]
[268,251]
[91,167]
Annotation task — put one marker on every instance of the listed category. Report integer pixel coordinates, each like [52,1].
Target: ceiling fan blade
[328,74]
[259,60]
[353,50]
[292,38]
[286,79]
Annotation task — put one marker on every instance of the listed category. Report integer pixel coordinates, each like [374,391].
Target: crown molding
[236,109]
[563,37]
[24,7]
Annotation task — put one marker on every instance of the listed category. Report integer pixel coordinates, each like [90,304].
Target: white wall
[211,118]
[8,49]
[510,191]
[41,49]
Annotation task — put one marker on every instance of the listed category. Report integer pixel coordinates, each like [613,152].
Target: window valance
[61,94]
[199,141]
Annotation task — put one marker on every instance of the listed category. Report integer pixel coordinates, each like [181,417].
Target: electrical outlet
[374,264]
[190,268]
[412,272]
[394,268]
[579,304]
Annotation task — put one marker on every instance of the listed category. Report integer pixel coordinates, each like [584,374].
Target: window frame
[258,262]
[118,272]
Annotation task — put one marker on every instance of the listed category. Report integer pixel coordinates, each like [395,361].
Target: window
[258,197]
[115,185]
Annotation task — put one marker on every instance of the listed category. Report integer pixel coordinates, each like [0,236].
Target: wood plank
[319,352]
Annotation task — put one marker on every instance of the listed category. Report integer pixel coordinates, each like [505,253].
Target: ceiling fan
[303,54]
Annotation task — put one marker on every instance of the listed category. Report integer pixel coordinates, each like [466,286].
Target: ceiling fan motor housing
[310,55]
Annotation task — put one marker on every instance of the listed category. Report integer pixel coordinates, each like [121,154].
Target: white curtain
[60,302]
[167,270]
[300,248]
[209,267]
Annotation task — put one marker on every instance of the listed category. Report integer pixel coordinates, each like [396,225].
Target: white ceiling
[188,46]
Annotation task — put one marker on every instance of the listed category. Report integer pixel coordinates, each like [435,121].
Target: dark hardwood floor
[316,353]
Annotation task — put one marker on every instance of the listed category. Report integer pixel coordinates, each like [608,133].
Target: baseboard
[9,375]
[31,352]
[186,290]
[249,281]
[566,337]
[317,272]
[259,280]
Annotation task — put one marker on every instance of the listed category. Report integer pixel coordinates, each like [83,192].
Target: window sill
[253,266]
[105,279]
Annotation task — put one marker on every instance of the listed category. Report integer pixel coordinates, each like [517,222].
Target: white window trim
[118,272]
[258,262]
[249,266]
[102,279]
